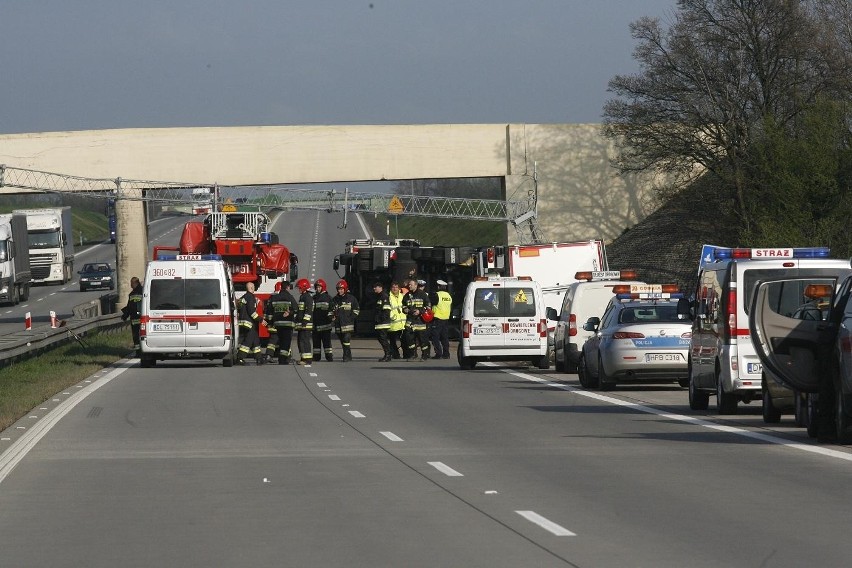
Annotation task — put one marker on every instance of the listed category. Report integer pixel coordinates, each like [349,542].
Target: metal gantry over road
[522,212]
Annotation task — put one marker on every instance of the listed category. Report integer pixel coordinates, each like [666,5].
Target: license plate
[171,326]
[662,357]
[754,368]
[486,331]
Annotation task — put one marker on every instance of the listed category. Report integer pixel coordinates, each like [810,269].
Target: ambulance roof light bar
[191,257]
[720,253]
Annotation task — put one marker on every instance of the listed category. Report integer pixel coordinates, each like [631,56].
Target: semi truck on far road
[50,242]
[15,275]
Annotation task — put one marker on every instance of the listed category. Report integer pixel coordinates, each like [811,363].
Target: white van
[188,310]
[584,299]
[503,319]
[722,357]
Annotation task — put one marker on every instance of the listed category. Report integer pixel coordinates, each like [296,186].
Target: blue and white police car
[640,338]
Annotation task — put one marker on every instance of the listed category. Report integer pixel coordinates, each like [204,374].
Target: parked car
[640,338]
[96,275]
[810,356]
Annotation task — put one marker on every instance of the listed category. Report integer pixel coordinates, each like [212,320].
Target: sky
[103,64]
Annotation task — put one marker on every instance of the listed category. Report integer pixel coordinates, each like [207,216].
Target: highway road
[407,464]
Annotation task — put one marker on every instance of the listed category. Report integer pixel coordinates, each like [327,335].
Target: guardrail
[97,314]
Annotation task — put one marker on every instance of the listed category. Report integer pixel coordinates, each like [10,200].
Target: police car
[640,338]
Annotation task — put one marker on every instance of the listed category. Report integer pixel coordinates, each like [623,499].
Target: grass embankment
[26,384]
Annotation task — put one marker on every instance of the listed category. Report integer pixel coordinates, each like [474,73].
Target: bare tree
[711,80]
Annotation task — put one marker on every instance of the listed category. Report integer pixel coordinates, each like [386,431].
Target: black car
[96,275]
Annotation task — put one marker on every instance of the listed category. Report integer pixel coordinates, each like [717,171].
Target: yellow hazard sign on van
[520,297]
[396,205]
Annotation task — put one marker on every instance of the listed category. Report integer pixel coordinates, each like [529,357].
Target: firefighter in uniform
[439,328]
[280,315]
[345,309]
[133,311]
[383,319]
[249,322]
[397,321]
[414,304]
[304,322]
[322,322]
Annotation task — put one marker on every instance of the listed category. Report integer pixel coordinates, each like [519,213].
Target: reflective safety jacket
[305,313]
[396,314]
[443,307]
[280,310]
[346,309]
[134,305]
[322,312]
[413,304]
[383,312]
[249,316]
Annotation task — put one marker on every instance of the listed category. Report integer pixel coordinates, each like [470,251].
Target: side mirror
[336,263]
[551,314]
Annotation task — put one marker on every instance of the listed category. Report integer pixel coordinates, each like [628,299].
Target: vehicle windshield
[193,294]
[650,314]
[44,239]
[504,302]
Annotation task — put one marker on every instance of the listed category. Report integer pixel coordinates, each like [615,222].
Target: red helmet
[278,286]
[303,284]
[343,284]
[320,283]
[427,315]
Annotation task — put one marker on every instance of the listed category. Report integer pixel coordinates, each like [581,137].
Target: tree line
[750,100]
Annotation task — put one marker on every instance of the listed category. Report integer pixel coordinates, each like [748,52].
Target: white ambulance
[188,310]
[503,319]
[722,358]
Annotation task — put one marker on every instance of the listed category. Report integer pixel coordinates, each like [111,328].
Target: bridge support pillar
[131,240]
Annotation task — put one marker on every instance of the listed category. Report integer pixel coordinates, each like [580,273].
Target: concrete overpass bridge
[559,171]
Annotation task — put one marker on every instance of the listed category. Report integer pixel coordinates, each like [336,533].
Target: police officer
[133,310]
[383,319]
[249,322]
[304,322]
[322,322]
[280,314]
[442,304]
[345,309]
[397,321]
[414,303]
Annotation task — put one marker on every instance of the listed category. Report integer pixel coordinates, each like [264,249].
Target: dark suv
[97,275]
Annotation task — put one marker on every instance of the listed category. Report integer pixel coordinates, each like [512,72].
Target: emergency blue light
[770,253]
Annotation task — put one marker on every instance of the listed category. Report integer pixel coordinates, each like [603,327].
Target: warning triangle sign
[396,205]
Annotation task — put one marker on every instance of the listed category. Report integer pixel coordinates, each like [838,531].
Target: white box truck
[15,275]
[51,244]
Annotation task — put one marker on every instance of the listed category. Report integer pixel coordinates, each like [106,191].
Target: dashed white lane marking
[391,436]
[321,385]
[333,397]
[356,414]
[445,469]
[689,419]
[544,523]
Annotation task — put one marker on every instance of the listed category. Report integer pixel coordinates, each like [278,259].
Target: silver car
[640,338]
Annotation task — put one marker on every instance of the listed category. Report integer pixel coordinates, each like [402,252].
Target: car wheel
[841,418]
[605,382]
[82,289]
[812,415]
[543,363]
[698,399]
[146,362]
[771,415]
[726,403]
[228,361]
[465,363]
[582,373]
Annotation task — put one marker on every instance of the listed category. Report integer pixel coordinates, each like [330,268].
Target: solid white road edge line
[445,469]
[690,419]
[546,524]
[21,447]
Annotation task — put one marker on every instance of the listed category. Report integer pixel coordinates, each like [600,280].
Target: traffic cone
[28,321]
[53,319]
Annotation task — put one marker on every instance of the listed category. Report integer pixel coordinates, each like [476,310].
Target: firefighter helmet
[427,315]
[320,283]
[303,284]
[278,286]
[344,285]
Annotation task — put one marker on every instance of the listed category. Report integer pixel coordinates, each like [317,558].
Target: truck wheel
[801,411]
[841,419]
[543,362]
[771,415]
[812,415]
[25,293]
[726,403]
